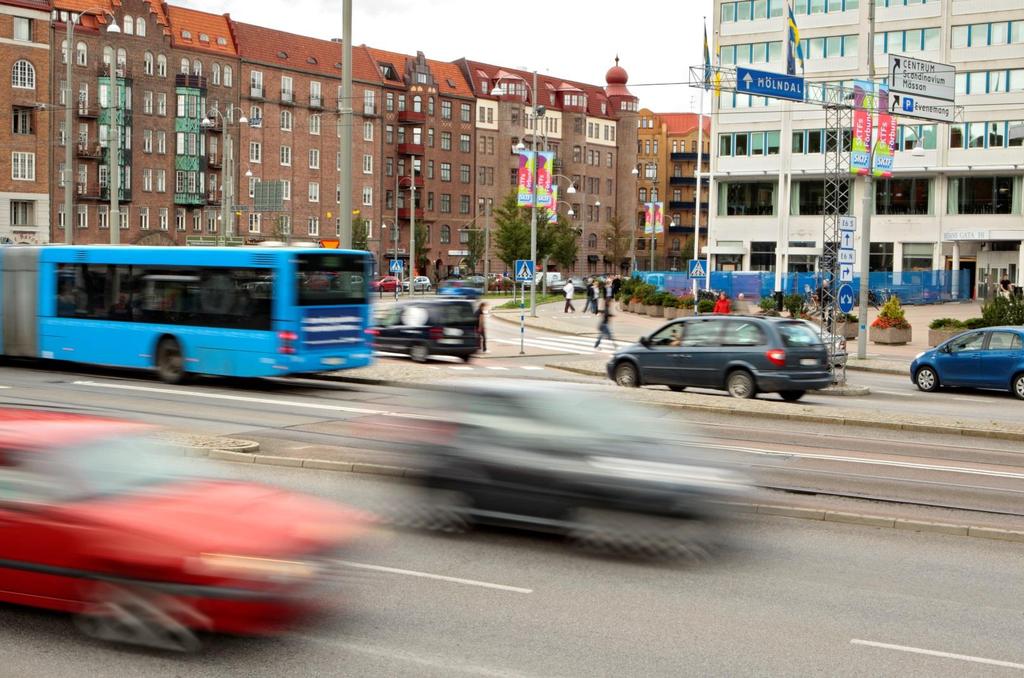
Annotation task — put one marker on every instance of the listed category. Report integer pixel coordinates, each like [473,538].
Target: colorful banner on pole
[553,208]
[527,170]
[885,145]
[863,106]
[653,216]
[545,175]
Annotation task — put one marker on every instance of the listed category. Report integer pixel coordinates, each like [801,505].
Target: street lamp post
[632,229]
[72,19]
[227,183]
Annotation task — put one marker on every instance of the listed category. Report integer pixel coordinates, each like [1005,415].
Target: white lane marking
[869,461]
[902,394]
[531,367]
[497,368]
[250,399]
[554,346]
[2,387]
[460,368]
[937,653]
[439,577]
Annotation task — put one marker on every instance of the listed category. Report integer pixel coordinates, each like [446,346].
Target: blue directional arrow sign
[766,84]
[845,298]
[524,270]
[697,269]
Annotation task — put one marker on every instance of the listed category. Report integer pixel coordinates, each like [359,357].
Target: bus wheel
[170,364]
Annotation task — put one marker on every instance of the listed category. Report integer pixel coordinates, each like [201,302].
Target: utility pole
[867,202]
[696,200]
[113,144]
[487,241]
[533,210]
[226,184]
[412,221]
[347,101]
[69,157]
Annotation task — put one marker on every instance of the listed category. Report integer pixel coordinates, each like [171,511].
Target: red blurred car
[96,522]
[388,283]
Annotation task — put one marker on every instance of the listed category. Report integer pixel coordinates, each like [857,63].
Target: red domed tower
[618,94]
[625,111]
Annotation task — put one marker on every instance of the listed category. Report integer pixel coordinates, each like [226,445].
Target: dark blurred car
[97,522]
[423,328]
[388,283]
[552,459]
[744,355]
[989,358]
[460,288]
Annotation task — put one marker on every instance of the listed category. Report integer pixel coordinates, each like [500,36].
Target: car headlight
[920,355]
[221,564]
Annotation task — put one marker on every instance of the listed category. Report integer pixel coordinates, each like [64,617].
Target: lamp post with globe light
[227,185]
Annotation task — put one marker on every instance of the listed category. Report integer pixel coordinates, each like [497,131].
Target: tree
[512,231]
[360,234]
[561,243]
[476,247]
[618,241]
[422,249]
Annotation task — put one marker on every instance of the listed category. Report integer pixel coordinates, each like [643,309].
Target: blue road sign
[524,270]
[697,269]
[396,266]
[846,298]
[775,85]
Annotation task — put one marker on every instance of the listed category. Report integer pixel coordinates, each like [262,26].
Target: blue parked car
[989,358]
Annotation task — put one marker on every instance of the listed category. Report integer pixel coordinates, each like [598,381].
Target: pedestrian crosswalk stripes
[577,345]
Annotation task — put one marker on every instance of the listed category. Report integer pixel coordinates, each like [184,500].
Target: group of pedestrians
[596,291]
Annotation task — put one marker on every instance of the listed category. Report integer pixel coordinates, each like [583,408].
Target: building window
[881,258]
[21,120]
[465,143]
[23,75]
[287,119]
[83,216]
[446,233]
[314,191]
[746,198]
[255,224]
[23,166]
[255,152]
[367,164]
[917,256]
[464,204]
[314,124]
[22,213]
[367,196]
[446,110]
[465,113]
[446,203]
[313,226]
[367,131]
[903,196]
[808,199]
[446,141]
[161,65]
[286,156]
[981,195]
[22,29]
[446,171]
[314,158]
[465,173]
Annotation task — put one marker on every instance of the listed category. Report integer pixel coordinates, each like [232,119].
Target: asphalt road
[792,598]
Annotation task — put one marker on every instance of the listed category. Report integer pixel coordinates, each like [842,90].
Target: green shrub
[946,324]
[649,294]
[974,323]
[705,306]
[686,302]
[627,289]
[891,316]
[794,303]
[767,304]
[1003,311]
[846,318]
[669,300]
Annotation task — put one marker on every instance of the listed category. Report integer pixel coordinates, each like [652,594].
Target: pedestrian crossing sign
[697,269]
[524,270]
[396,266]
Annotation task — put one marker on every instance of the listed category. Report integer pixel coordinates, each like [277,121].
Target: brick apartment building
[667,161]
[25,162]
[592,131]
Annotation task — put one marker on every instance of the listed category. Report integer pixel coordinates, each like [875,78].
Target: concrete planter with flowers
[890,327]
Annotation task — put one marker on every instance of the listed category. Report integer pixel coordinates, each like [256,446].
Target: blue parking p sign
[524,270]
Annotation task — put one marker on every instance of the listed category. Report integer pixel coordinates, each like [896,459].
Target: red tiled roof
[40,5]
[443,71]
[595,93]
[156,8]
[682,123]
[196,24]
[267,45]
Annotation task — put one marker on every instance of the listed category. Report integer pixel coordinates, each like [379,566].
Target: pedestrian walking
[568,290]
[481,328]
[616,285]
[595,295]
[590,297]
[722,306]
[605,328]
[609,292]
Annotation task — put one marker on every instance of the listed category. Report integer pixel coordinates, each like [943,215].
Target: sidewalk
[628,326]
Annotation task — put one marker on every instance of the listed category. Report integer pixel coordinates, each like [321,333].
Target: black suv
[740,354]
[423,328]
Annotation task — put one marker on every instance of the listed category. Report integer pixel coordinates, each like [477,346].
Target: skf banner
[863,105]
[885,146]
[545,173]
[653,217]
[527,167]
[659,211]
[553,209]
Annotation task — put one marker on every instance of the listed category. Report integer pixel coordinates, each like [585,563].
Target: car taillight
[373,332]
[776,357]
[436,333]
[287,338]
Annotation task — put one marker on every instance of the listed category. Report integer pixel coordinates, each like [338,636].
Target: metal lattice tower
[838,199]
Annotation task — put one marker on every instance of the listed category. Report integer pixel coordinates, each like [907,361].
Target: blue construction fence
[914,287]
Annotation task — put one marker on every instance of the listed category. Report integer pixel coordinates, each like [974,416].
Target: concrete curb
[993,434]
[879,370]
[778,510]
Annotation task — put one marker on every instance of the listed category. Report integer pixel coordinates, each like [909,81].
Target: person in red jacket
[722,306]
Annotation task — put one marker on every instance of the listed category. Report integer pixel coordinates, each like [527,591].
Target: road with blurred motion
[789,597]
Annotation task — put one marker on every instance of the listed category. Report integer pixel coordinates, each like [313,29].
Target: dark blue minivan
[989,358]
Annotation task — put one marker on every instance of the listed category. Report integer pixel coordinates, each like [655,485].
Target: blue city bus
[232,311]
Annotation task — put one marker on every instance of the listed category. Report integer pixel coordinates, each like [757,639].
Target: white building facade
[953,204]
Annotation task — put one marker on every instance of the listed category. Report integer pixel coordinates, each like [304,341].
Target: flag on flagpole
[718,70]
[795,50]
[707,60]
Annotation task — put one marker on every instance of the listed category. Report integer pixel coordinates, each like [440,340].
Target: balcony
[683,157]
[216,125]
[412,117]
[679,204]
[123,71]
[403,181]
[86,110]
[91,191]
[368,109]
[214,162]
[255,92]
[406,212]
[682,181]
[316,101]
[190,81]
[288,97]
[189,199]
[410,149]
[93,151]
[213,198]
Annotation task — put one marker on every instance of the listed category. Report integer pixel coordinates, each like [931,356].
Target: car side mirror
[645,342]
[946,349]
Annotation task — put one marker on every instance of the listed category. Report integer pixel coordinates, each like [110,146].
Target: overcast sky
[657,40]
